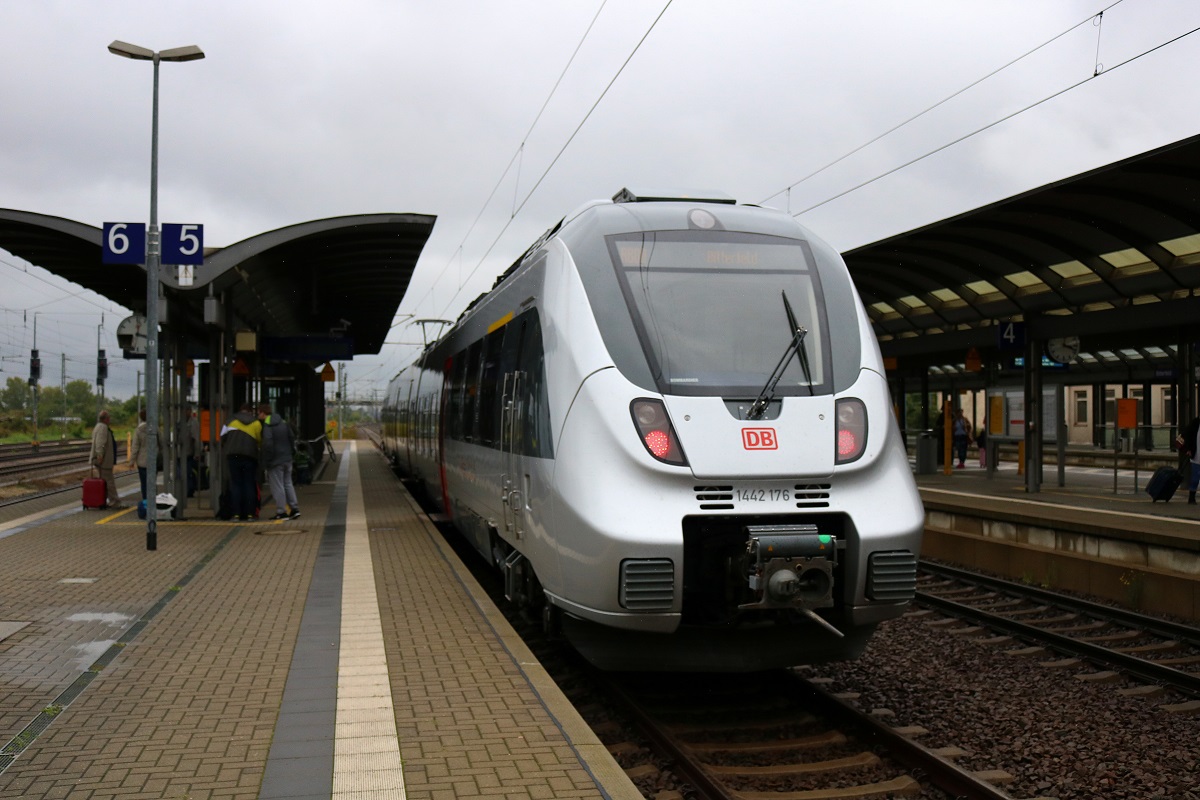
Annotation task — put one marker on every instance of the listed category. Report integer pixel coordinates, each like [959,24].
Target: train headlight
[851,429]
[658,435]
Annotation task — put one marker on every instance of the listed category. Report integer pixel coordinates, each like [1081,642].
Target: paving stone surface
[188,650]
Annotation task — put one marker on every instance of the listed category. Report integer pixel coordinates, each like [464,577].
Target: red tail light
[851,430]
[658,435]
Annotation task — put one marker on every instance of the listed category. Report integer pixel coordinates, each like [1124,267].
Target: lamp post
[188,53]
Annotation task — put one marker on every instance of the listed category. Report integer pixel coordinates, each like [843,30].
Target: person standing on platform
[278,444]
[137,455]
[104,457]
[191,442]
[241,441]
[962,437]
[1189,444]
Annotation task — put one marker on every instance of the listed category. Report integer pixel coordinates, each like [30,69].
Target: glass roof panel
[946,295]
[912,301]
[982,287]
[1024,279]
[1126,258]
[1071,269]
[1184,245]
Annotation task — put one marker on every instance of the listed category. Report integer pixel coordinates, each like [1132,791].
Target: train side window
[489,389]
[470,416]
[454,396]
[535,400]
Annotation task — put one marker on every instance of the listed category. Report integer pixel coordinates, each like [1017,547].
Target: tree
[81,401]
[16,395]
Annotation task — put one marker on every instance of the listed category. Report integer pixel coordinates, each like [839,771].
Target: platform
[1099,533]
[1085,489]
[345,654]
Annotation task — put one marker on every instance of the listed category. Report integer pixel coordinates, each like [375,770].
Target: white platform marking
[366,755]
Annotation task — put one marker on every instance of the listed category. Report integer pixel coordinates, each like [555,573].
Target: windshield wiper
[796,346]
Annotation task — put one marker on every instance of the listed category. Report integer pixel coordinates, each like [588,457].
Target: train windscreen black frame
[708,312]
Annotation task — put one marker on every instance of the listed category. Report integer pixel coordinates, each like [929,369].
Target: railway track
[782,737]
[742,737]
[21,460]
[1159,654]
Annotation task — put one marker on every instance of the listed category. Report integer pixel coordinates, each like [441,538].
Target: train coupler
[790,567]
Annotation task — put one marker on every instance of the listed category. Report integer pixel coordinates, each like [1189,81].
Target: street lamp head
[189,53]
[127,50]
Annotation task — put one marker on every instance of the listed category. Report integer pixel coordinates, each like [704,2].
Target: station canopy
[1111,256]
[336,280]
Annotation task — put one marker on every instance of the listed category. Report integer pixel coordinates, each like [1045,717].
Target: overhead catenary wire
[520,149]
[944,100]
[561,150]
[519,153]
[996,122]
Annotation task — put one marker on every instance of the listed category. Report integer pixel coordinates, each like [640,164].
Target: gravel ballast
[1059,736]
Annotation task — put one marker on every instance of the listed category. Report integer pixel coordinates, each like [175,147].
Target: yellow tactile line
[366,755]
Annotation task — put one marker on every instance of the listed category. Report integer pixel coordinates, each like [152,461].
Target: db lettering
[759,439]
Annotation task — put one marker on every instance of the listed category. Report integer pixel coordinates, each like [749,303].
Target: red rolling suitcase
[95,493]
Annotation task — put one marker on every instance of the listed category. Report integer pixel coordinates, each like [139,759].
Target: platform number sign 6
[1010,336]
[183,243]
[123,243]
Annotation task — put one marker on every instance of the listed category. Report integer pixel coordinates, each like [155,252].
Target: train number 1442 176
[762,495]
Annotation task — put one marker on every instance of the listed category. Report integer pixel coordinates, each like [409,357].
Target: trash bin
[926,453]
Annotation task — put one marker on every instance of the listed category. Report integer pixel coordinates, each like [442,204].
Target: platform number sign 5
[1010,336]
[182,243]
[123,243]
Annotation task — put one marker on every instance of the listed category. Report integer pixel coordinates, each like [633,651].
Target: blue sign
[123,243]
[1010,336]
[1047,363]
[182,243]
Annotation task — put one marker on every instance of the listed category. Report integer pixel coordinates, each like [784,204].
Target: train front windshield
[708,310]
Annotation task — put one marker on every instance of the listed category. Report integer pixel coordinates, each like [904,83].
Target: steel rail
[682,761]
[1159,627]
[1148,671]
[945,774]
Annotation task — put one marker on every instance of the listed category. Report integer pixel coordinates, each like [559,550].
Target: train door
[511,436]
[512,428]
[447,403]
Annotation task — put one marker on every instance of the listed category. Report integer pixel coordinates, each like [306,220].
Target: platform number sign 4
[123,243]
[1010,336]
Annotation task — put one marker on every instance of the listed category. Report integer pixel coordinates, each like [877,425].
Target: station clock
[1064,349]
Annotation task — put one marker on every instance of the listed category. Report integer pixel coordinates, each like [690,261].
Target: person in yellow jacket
[241,441]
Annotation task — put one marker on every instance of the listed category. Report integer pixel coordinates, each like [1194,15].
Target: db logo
[759,439]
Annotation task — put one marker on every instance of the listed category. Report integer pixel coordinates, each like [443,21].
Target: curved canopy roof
[343,275]
[1111,255]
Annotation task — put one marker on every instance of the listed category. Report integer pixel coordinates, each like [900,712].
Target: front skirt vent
[714,498]
[812,495]
[892,576]
[647,584]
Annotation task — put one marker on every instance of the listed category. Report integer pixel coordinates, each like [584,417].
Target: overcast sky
[303,110]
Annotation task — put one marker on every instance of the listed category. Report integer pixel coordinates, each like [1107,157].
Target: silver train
[667,424]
